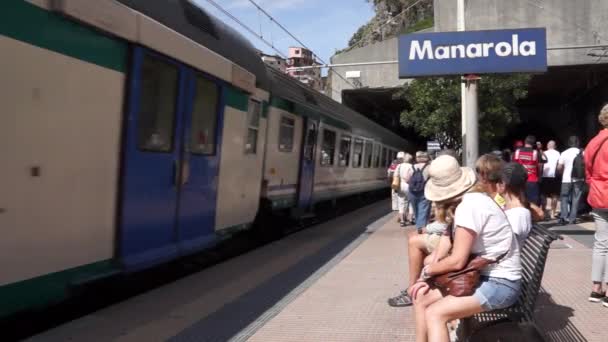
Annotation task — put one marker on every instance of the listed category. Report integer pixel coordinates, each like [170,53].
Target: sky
[323,25]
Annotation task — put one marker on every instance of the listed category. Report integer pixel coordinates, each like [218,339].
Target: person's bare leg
[597,287]
[417,253]
[421,304]
[438,314]
[554,199]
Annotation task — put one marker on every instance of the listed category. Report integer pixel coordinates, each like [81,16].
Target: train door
[307,164]
[170,162]
[199,164]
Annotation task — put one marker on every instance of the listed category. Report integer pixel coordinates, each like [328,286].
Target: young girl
[513,188]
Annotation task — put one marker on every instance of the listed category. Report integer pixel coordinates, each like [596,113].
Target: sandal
[401,300]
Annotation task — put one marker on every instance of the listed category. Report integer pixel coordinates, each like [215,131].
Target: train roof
[288,88]
[192,21]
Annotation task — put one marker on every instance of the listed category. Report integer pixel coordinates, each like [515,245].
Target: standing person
[596,170]
[403,172]
[572,184]
[550,185]
[391,173]
[529,158]
[418,178]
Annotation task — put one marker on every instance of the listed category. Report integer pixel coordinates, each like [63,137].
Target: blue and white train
[133,132]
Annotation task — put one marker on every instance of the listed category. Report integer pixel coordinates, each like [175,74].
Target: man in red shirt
[596,171]
[529,157]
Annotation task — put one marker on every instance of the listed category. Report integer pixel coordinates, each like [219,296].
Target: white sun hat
[447,179]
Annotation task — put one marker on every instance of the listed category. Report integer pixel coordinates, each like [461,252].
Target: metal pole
[463,90]
[472,148]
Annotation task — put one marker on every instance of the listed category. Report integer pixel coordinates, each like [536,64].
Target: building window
[286,132]
[156,117]
[344,155]
[328,148]
[368,154]
[204,117]
[253,127]
[358,153]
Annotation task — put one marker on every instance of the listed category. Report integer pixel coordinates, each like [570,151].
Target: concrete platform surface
[327,283]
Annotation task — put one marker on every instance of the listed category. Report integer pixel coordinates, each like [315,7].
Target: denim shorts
[497,293]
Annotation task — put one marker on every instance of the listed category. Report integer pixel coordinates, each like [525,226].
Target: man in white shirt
[572,187]
[551,184]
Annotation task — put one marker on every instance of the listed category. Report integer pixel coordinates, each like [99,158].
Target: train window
[384,157]
[344,153]
[156,118]
[328,148]
[358,153]
[311,141]
[286,132]
[253,126]
[367,161]
[204,117]
[376,155]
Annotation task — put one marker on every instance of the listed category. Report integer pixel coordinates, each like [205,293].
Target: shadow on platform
[554,320]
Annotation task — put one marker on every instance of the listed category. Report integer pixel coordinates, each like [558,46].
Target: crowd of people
[486,214]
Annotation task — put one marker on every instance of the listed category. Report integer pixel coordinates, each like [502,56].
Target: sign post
[470,117]
[461,21]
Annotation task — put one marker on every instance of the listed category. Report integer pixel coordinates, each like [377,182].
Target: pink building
[301,57]
[275,62]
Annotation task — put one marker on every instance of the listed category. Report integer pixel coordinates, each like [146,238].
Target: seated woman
[513,189]
[480,228]
[490,172]
[420,246]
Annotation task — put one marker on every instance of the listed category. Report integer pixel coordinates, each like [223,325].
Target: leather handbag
[464,282]
[396,184]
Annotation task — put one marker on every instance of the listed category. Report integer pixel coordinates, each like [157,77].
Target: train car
[125,129]
[135,132]
[319,150]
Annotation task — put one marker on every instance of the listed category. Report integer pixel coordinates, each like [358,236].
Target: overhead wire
[330,70]
[244,26]
[299,41]
[582,28]
[253,33]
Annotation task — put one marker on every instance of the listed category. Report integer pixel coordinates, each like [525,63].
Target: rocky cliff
[393,17]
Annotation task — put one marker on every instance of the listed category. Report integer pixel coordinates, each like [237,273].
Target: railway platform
[326,283]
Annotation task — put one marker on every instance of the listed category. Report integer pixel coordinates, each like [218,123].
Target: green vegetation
[434,109]
[421,25]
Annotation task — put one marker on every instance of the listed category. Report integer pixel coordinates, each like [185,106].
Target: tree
[434,107]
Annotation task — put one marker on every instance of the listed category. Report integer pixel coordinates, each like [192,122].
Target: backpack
[578,166]
[417,181]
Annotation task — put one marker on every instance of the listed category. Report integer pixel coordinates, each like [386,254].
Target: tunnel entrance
[564,101]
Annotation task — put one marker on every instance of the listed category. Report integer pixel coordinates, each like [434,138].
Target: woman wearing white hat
[482,229]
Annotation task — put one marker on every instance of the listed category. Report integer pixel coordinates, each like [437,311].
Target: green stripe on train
[29,23]
[236,99]
[46,290]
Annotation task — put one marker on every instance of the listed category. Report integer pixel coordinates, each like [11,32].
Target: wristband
[424,274]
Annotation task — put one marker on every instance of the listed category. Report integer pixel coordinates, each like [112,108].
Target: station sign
[433,145]
[473,52]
